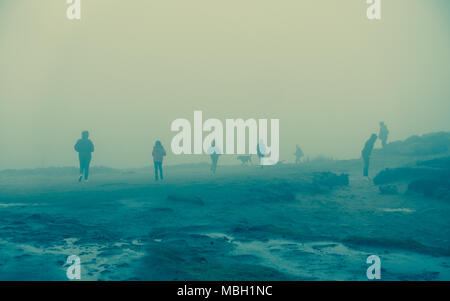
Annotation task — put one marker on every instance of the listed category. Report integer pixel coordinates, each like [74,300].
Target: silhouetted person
[261,151]
[84,147]
[366,152]
[214,152]
[384,133]
[298,154]
[158,154]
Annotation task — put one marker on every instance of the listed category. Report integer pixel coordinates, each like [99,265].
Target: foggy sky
[127,69]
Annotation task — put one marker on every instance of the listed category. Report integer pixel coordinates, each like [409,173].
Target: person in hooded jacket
[158,154]
[85,148]
[366,152]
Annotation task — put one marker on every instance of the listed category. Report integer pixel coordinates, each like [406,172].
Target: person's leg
[80,159]
[160,171]
[215,164]
[155,164]
[86,168]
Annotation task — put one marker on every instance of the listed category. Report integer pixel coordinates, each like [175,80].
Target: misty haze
[125,74]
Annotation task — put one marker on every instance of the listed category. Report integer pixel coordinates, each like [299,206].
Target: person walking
[85,148]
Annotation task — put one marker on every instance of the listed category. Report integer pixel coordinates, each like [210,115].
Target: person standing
[85,148]
[298,154]
[261,151]
[384,133]
[158,154]
[214,152]
[366,152]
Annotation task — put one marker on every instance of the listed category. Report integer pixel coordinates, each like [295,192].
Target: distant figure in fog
[366,152]
[84,147]
[158,154]
[245,159]
[214,152]
[384,133]
[298,154]
[261,151]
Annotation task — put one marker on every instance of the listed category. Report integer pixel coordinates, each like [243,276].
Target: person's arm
[76,147]
[92,147]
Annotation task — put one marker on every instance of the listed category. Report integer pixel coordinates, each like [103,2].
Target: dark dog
[245,159]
